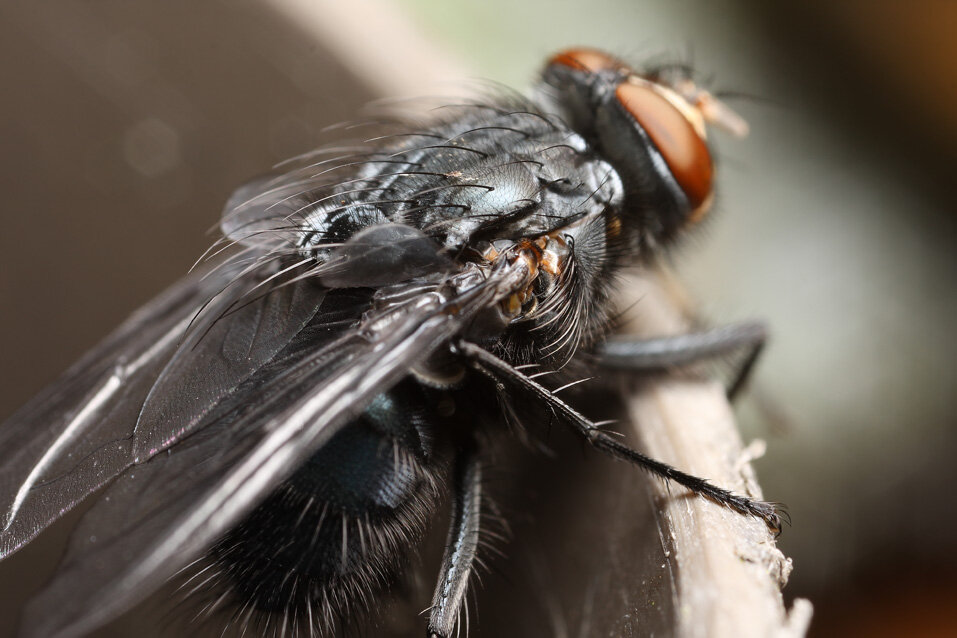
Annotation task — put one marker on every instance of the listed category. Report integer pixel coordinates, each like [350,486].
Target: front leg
[507,375]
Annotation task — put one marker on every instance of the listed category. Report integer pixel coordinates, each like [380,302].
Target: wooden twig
[728,570]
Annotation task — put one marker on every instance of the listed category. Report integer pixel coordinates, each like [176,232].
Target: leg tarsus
[461,548]
[745,369]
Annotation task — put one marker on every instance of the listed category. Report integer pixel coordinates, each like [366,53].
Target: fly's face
[651,127]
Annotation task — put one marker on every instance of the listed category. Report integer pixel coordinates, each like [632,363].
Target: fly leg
[505,374]
[665,352]
[460,550]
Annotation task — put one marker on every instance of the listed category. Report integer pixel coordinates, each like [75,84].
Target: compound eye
[591,60]
[677,139]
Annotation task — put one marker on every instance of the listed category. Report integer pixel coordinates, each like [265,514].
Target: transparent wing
[269,214]
[268,211]
[99,397]
[161,515]
[137,393]
[262,212]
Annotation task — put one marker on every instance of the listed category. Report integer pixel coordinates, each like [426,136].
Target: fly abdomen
[335,535]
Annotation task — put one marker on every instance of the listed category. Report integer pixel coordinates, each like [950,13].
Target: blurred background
[124,127]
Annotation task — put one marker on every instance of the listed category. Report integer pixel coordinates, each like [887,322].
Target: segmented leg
[653,354]
[461,547]
[601,440]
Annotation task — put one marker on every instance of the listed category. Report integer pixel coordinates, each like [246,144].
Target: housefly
[285,424]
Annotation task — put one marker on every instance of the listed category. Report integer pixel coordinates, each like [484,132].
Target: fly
[281,429]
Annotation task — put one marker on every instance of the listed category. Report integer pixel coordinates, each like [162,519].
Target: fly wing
[162,515]
[161,373]
[104,391]
[268,211]
[263,212]
[137,393]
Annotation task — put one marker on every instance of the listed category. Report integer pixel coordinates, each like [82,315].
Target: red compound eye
[587,60]
[676,138]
